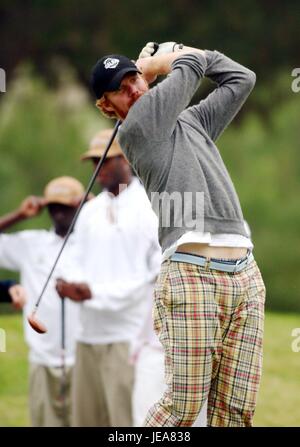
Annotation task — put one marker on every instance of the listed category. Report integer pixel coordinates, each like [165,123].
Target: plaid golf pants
[210,324]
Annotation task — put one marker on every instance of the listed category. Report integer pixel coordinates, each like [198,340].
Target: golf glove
[163,48]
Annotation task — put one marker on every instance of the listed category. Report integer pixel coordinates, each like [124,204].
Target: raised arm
[156,113]
[234,84]
[30,207]
[161,63]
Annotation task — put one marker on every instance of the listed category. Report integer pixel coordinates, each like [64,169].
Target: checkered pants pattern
[211,326]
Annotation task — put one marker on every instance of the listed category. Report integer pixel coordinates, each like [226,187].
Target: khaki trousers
[102,386]
[49,397]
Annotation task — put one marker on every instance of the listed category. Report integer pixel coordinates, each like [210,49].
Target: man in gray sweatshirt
[209,298]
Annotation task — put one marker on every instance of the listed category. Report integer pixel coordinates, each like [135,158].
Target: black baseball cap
[108,73]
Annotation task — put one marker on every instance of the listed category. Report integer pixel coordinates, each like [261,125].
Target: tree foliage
[262,34]
[43,132]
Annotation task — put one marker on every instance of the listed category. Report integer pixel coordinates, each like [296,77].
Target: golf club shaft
[63,325]
[63,344]
[63,379]
[71,227]
[90,185]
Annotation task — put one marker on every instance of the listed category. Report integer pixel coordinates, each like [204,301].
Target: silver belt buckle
[243,261]
[238,262]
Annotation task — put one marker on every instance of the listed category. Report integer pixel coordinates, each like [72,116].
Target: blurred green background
[47,117]
[278,400]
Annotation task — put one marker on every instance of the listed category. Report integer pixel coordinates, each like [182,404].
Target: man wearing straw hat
[120,256]
[31,252]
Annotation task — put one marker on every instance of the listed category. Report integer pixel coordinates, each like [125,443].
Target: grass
[279,398]
[13,373]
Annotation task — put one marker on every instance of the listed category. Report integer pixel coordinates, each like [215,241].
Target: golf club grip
[156,47]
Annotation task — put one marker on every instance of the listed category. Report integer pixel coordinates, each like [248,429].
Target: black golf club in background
[34,322]
[63,379]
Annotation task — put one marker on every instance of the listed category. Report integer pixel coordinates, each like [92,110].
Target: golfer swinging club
[209,298]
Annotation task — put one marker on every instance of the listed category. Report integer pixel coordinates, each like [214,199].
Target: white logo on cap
[111,63]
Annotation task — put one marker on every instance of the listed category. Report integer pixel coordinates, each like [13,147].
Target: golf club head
[36,324]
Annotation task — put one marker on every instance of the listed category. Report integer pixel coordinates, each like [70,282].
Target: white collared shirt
[118,244]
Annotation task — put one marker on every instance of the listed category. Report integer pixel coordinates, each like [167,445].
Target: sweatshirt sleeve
[234,84]
[156,113]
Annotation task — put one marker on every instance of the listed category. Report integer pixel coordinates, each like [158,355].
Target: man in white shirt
[32,253]
[117,236]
